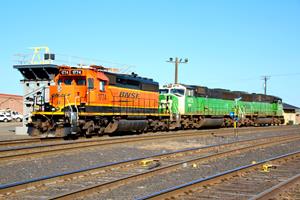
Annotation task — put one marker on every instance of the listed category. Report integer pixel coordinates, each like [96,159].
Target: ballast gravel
[189,173]
[73,160]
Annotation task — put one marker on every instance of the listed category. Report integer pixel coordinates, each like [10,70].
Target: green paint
[211,106]
[168,103]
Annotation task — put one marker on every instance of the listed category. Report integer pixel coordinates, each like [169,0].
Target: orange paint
[71,88]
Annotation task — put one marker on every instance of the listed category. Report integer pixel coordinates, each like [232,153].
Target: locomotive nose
[69,90]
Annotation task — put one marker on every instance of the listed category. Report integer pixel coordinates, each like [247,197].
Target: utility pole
[177,61]
[265,79]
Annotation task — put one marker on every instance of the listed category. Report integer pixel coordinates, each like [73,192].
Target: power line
[290,74]
[256,78]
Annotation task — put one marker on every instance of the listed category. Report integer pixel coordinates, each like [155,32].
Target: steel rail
[22,185]
[54,148]
[27,141]
[14,142]
[276,190]
[173,192]
[38,150]
[129,179]
[185,133]
[19,141]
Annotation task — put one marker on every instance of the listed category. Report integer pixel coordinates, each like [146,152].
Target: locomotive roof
[289,107]
[133,77]
[104,70]
[132,81]
[228,94]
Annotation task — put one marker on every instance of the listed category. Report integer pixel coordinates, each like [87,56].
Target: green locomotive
[195,106]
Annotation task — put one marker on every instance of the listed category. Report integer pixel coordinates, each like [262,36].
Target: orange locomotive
[94,100]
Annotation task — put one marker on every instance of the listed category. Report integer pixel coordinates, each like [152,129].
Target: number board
[64,72]
[76,72]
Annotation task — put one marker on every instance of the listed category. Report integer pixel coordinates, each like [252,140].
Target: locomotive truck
[92,100]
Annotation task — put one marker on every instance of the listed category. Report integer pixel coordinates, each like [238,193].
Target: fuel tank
[126,125]
[211,122]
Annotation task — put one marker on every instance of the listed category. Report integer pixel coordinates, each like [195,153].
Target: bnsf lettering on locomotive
[129,94]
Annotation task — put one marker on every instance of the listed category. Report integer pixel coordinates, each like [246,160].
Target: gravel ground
[26,169]
[189,173]
[250,184]
[7,131]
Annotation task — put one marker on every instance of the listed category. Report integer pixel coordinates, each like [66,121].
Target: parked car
[14,115]
[5,118]
[17,116]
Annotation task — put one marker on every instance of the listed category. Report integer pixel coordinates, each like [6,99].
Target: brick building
[13,102]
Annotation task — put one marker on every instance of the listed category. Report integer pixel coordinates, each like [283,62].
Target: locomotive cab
[172,98]
[76,87]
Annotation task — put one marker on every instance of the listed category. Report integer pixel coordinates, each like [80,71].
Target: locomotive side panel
[117,100]
[88,100]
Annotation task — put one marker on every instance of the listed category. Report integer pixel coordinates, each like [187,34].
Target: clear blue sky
[230,44]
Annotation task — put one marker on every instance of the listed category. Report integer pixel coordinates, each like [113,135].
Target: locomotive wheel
[89,128]
[87,136]
[101,131]
[88,133]
[145,130]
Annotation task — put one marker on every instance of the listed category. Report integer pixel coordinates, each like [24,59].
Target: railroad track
[27,141]
[242,182]
[40,140]
[289,189]
[25,152]
[106,177]
[18,142]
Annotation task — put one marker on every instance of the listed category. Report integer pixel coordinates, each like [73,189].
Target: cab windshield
[163,91]
[177,92]
[72,81]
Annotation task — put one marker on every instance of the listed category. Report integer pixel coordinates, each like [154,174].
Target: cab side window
[102,86]
[90,83]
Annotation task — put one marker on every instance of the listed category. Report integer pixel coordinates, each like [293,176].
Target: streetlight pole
[177,61]
[265,78]
[176,71]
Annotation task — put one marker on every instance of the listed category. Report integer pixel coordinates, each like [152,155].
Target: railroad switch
[267,167]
